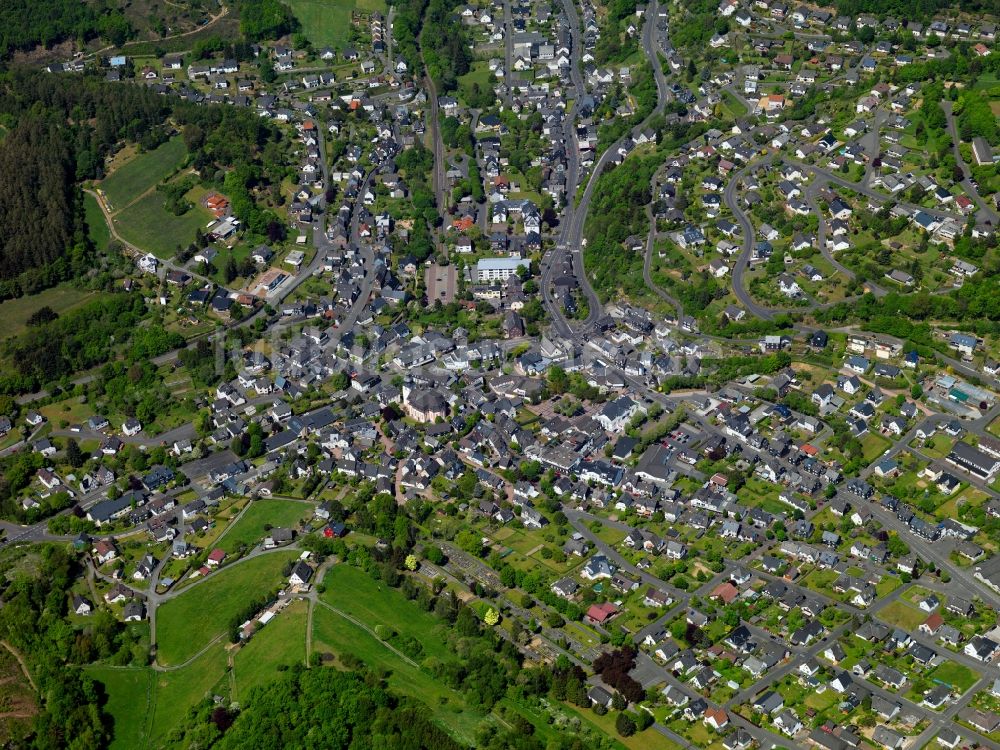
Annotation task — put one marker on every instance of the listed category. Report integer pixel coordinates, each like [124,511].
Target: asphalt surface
[985,212]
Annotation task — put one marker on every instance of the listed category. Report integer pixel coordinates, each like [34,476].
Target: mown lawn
[139,174]
[149,226]
[176,692]
[189,622]
[353,591]
[902,615]
[327,23]
[281,642]
[873,446]
[250,530]
[15,312]
[97,227]
[959,676]
[129,691]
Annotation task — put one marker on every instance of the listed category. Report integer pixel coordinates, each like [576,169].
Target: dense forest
[406,26]
[33,621]
[320,708]
[433,29]
[359,711]
[25,24]
[976,304]
[83,338]
[618,211]
[60,130]
[265,19]
[444,45]
[36,195]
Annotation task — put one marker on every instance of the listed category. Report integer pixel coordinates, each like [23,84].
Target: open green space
[958,676]
[189,622]
[177,691]
[873,446]
[327,23]
[335,633]
[733,106]
[252,527]
[649,739]
[354,592]
[129,692]
[15,312]
[148,225]
[139,174]
[281,642]
[146,705]
[69,410]
[902,615]
[479,74]
[969,496]
[97,227]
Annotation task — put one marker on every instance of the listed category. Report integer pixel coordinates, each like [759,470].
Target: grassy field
[478,73]
[333,633]
[650,739]
[281,641]
[327,23]
[733,106]
[903,616]
[61,298]
[958,676]
[136,176]
[189,622]
[69,410]
[249,530]
[129,692]
[354,592]
[176,692]
[97,227]
[873,446]
[969,496]
[149,226]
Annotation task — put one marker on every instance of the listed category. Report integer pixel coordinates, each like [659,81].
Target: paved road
[869,192]
[555,260]
[731,198]
[571,239]
[810,197]
[985,212]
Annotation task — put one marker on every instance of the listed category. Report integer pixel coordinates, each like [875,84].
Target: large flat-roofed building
[981,151]
[974,461]
[498,269]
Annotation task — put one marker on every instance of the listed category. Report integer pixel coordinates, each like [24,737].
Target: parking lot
[440,282]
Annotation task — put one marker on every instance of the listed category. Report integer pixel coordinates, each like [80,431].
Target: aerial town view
[511,375]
